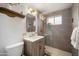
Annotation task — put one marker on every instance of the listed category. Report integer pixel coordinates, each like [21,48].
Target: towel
[75,38]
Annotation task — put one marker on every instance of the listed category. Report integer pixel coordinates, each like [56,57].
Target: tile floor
[50,51]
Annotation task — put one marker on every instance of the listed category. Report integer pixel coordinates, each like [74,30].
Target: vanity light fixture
[32,11]
[42,17]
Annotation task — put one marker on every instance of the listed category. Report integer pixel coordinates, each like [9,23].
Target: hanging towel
[75,38]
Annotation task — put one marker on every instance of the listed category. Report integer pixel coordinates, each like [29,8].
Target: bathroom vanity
[34,46]
[33,43]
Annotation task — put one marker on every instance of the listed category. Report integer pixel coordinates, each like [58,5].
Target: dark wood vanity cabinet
[35,48]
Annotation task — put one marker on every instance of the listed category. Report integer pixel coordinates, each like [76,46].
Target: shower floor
[50,51]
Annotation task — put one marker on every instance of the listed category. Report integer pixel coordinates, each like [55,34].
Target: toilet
[14,49]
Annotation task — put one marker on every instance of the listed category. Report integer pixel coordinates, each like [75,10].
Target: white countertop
[33,38]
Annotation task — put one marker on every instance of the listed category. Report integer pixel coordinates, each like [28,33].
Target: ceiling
[46,8]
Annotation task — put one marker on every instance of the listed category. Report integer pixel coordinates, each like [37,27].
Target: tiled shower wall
[59,35]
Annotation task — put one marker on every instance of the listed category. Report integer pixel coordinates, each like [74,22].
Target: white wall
[11,30]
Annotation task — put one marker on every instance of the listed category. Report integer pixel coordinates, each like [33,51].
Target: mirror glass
[30,26]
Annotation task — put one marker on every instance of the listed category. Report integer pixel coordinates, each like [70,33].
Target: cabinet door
[36,48]
[27,47]
[33,52]
[41,48]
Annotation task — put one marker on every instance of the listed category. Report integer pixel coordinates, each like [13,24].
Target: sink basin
[30,34]
[33,38]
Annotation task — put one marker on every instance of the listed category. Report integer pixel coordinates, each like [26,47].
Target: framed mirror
[30,23]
